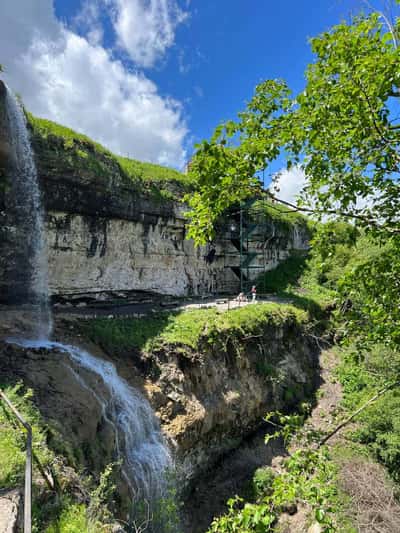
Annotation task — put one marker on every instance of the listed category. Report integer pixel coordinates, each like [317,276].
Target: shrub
[72,520]
[262,482]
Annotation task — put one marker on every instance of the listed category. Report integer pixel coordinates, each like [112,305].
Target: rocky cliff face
[208,400]
[106,232]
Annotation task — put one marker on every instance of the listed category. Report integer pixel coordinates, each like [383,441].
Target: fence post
[28,465]
[28,482]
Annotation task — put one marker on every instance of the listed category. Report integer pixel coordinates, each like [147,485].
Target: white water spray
[29,213]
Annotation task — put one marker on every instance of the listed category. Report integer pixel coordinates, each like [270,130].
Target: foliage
[308,476]
[361,374]
[51,513]
[332,248]
[345,124]
[262,481]
[341,128]
[277,213]
[165,516]
[286,425]
[64,515]
[286,275]
[224,168]
[373,286]
[72,520]
[101,498]
[298,279]
[345,265]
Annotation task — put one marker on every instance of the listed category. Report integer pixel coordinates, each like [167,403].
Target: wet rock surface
[71,409]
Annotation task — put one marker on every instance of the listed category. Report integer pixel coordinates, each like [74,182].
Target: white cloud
[88,21]
[198,91]
[289,183]
[146,28]
[67,78]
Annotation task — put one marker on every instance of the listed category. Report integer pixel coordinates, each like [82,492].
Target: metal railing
[28,464]
[30,454]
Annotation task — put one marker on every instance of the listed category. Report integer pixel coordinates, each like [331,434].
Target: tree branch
[356,216]
[351,417]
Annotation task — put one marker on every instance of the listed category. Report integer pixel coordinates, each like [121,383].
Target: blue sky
[225,47]
[149,78]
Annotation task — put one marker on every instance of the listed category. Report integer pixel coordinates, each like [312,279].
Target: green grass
[70,138]
[285,276]
[295,280]
[83,153]
[143,333]
[152,172]
[192,329]
[72,520]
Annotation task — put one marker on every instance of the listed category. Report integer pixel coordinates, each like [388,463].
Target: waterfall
[139,441]
[138,434]
[29,220]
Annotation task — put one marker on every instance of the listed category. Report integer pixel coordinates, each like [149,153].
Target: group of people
[241,297]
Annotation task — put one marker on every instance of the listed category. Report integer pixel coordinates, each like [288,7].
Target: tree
[347,126]
[224,168]
[342,129]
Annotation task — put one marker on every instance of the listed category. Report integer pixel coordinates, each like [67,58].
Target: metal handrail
[28,465]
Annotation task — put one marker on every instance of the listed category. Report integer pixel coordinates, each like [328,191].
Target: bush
[362,373]
[72,520]
[262,482]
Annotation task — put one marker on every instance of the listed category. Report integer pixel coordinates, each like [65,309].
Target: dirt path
[127,310]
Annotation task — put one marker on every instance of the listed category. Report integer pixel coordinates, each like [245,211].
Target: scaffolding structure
[250,232]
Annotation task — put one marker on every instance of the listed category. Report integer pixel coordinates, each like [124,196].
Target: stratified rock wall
[98,254]
[106,232]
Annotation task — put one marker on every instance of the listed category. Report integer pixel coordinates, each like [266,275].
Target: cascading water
[139,441]
[29,219]
[138,432]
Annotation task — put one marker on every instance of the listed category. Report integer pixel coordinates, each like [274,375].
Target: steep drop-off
[106,231]
[211,384]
